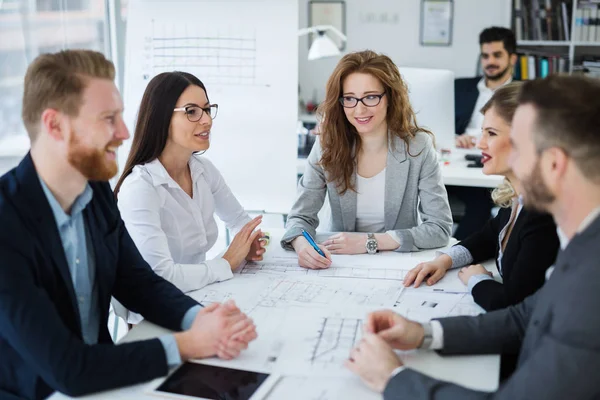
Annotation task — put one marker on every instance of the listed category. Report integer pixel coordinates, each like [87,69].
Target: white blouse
[172,231]
[370,216]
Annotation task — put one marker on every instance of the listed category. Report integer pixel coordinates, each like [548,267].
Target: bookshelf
[543,43]
[565,30]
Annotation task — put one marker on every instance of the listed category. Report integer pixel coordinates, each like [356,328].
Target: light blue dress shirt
[79,253]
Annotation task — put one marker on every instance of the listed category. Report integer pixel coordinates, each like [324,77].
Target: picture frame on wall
[328,13]
[436,22]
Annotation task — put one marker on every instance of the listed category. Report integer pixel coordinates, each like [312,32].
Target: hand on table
[346,243]
[465,141]
[467,272]
[374,361]
[429,272]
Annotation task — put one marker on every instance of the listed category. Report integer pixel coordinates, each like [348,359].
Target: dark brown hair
[567,117]
[339,140]
[154,118]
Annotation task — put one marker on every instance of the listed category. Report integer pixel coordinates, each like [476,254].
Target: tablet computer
[200,381]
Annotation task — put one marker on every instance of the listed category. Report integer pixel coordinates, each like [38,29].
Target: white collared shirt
[485,94]
[172,231]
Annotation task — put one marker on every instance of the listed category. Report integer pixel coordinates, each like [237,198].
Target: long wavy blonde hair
[339,139]
[504,101]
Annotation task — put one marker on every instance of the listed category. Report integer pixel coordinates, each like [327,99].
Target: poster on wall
[328,13]
[436,22]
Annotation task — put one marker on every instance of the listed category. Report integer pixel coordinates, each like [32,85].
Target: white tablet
[200,381]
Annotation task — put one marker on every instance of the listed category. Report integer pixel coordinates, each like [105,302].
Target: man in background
[498,57]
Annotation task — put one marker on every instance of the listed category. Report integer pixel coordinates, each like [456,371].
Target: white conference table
[455,172]
[476,372]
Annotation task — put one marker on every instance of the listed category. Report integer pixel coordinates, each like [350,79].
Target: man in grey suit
[556,331]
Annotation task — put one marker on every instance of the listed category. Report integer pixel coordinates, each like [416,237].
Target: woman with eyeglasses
[168,193]
[376,164]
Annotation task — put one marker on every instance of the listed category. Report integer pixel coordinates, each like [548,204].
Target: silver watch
[427,336]
[371,245]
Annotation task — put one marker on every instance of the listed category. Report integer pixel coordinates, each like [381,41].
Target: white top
[485,94]
[370,216]
[172,231]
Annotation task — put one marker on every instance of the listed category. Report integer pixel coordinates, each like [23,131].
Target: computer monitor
[431,93]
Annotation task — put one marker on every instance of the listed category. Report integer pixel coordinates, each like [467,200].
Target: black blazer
[465,98]
[41,346]
[531,248]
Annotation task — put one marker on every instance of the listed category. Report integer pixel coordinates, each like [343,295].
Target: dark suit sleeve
[33,328]
[537,248]
[563,364]
[136,285]
[465,99]
[480,334]
[483,244]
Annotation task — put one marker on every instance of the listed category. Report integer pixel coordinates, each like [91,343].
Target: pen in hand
[312,242]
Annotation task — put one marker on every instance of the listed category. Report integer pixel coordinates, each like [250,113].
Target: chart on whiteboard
[225,57]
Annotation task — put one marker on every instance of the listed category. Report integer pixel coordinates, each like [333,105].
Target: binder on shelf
[524,65]
[593,28]
[549,26]
[566,20]
[518,20]
[536,20]
[531,66]
[544,68]
[560,33]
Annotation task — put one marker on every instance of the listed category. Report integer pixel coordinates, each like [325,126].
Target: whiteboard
[246,54]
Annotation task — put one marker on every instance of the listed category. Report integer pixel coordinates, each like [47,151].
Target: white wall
[400,40]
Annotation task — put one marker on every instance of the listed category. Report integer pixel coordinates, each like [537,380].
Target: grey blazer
[555,331]
[411,183]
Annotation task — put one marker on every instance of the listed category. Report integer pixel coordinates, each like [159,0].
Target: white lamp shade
[321,47]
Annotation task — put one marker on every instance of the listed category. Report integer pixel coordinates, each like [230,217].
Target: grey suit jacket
[557,331]
[411,182]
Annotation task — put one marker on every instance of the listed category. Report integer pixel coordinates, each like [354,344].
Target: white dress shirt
[485,94]
[172,230]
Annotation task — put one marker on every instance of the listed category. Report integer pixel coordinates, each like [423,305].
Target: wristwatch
[427,336]
[371,244]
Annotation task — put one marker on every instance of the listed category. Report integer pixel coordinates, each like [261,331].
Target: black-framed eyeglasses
[194,113]
[370,100]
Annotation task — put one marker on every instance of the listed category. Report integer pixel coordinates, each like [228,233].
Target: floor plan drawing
[334,339]
[289,269]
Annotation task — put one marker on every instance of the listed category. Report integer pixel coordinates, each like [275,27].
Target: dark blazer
[556,332]
[530,250]
[465,98]
[41,346]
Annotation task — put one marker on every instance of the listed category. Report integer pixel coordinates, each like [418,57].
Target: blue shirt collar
[79,204]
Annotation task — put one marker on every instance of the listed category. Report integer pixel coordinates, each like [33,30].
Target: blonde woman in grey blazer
[379,169]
